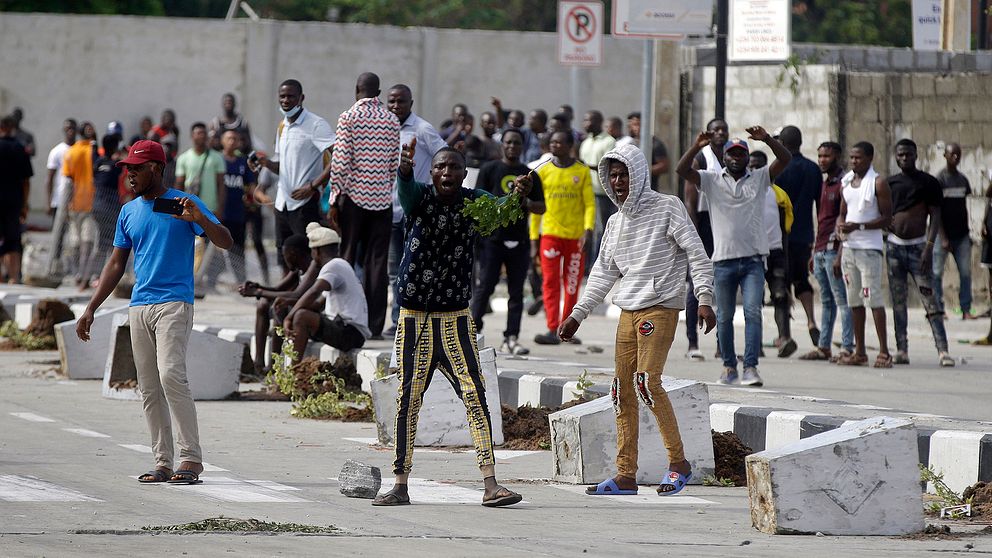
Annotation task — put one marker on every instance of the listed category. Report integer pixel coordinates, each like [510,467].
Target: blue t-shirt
[163,249]
[236,177]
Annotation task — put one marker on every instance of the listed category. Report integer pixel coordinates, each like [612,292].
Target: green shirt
[203,168]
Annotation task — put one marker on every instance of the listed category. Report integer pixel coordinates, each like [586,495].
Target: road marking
[272,485]
[14,488]
[207,468]
[499,454]
[227,489]
[31,417]
[86,433]
[646,495]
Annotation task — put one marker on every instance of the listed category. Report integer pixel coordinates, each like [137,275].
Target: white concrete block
[24,307]
[371,363]
[955,453]
[86,361]
[782,428]
[213,365]
[860,479]
[442,417]
[529,390]
[584,437]
[722,416]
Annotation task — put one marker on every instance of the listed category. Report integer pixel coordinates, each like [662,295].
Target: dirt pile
[314,376]
[47,313]
[728,456]
[527,428]
[980,494]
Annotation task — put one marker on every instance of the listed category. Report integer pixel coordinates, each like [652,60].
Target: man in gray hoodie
[648,247]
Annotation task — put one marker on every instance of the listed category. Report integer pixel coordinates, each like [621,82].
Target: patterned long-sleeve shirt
[364,163]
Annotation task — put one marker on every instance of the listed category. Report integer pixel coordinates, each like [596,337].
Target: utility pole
[722,25]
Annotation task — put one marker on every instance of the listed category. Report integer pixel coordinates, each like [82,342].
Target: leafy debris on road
[236,525]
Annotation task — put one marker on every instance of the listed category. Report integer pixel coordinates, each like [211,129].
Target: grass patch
[235,525]
[17,339]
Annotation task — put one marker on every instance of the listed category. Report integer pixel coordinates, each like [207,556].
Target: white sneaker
[695,354]
[510,346]
[751,377]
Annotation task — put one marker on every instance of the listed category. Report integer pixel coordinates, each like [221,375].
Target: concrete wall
[103,68]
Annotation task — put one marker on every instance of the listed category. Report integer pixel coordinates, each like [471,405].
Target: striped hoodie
[648,246]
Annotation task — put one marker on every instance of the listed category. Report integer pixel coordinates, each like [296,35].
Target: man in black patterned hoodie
[435,330]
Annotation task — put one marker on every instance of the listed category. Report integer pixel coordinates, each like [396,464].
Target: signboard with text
[759,30]
[662,19]
[926,24]
[580,33]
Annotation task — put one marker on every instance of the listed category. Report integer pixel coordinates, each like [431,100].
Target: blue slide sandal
[609,488]
[676,480]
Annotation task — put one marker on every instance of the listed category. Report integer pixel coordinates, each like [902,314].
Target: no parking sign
[580,33]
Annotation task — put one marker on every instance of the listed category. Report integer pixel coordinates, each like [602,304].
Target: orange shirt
[78,166]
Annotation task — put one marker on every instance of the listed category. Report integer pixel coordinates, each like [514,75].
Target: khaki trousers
[644,338]
[159,336]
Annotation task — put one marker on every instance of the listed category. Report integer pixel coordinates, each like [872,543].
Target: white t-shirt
[299,148]
[772,221]
[346,297]
[55,157]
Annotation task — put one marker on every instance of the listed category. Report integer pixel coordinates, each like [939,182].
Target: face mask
[291,112]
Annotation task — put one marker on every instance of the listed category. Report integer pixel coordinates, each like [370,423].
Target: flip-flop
[609,488]
[185,476]
[390,499]
[676,479]
[157,475]
[883,361]
[507,500]
[814,335]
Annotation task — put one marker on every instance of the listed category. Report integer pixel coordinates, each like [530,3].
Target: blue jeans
[961,250]
[748,275]
[833,299]
[904,263]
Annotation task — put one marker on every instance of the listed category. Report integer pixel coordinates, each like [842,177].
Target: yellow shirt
[571,206]
[78,166]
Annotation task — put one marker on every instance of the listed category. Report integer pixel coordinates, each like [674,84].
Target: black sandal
[155,475]
[185,476]
[508,499]
[390,499]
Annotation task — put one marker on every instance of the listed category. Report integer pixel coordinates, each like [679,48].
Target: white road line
[227,489]
[207,468]
[86,433]
[646,495]
[424,491]
[510,454]
[14,488]
[272,485]
[31,417]
[366,441]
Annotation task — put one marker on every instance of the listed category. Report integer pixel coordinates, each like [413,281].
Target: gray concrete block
[86,360]
[442,416]
[860,479]
[359,480]
[213,365]
[584,437]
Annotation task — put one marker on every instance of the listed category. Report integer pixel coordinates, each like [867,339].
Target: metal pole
[983,24]
[647,118]
[722,24]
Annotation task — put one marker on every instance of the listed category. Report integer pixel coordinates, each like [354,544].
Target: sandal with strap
[675,482]
[609,488]
[391,499]
[185,476]
[883,361]
[505,497]
[816,354]
[154,476]
[854,360]
[840,354]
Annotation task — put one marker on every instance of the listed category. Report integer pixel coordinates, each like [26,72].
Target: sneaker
[535,307]
[549,338]
[901,358]
[787,348]
[729,376]
[751,377]
[946,360]
[695,354]
[511,347]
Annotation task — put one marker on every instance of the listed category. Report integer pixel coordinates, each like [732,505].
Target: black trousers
[365,233]
[293,222]
[493,255]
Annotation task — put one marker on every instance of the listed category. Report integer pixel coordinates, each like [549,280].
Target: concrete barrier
[86,360]
[213,365]
[859,479]
[584,438]
[24,306]
[442,417]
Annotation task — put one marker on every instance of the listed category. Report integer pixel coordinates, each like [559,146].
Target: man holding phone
[160,225]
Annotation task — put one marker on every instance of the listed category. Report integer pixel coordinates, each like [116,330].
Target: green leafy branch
[491,213]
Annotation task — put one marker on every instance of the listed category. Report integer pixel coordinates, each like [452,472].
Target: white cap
[321,236]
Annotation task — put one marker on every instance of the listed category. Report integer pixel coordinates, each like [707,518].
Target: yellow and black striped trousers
[444,341]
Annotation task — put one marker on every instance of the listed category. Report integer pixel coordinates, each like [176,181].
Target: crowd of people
[374,205]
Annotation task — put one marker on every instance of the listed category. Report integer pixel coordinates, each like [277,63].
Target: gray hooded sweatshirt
[648,246]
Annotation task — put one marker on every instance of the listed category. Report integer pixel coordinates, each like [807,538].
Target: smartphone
[253,158]
[166,205]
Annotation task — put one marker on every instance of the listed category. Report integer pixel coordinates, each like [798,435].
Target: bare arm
[309,298]
[782,155]
[302,286]
[661,167]
[111,275]
[221,192]
[685,168]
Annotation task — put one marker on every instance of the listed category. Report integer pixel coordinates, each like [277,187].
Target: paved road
[68,458]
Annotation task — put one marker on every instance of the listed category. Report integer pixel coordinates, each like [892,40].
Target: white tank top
[870,239]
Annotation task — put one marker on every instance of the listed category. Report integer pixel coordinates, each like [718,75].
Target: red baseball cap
[143,151]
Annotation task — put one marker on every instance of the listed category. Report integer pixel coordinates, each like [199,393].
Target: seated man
[274,302]
[344,323]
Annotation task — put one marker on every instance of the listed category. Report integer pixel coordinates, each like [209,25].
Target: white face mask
[291,112]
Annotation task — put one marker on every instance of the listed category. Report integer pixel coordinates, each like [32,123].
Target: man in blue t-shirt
[161,312]
[239,182]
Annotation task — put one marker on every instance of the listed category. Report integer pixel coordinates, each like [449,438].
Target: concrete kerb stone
[860,479]
[24,305]
[442,419]
[584,437]
[86,360]
[213,365]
